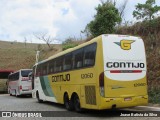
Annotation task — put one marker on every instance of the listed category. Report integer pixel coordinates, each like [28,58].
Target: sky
[22,20]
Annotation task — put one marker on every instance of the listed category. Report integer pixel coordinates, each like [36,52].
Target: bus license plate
[128,99]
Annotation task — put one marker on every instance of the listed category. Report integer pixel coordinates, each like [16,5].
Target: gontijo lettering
[59,78]
[124,65]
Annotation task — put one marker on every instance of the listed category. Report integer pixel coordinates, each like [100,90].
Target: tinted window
[58,64]
[67,62]
[25,73]
[51,67]
[14,76]
[44,69]
[89,55]
[78,58]
[38,71]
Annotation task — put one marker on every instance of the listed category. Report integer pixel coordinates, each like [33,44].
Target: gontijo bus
[107,72]
[3,80]
[19,83]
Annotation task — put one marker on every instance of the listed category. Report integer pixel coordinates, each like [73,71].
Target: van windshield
[25,73]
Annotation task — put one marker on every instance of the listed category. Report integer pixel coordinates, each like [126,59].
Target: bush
[154,95]
[68,43]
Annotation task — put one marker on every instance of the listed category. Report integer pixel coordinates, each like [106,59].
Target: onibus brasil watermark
[21,114]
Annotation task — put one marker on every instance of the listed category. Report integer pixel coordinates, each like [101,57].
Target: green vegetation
[69,43]
[154,95]
[146,11]
[15,56]
[105,20]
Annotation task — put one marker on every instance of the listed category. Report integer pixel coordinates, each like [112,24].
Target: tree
[121,9]
[106,18]
[46,38]
[25,41]
[146,11]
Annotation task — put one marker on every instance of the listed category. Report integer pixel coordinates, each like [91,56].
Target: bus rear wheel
[77,105]
[39,100]
[68,103]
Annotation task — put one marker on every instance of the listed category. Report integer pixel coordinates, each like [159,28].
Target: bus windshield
[25,73]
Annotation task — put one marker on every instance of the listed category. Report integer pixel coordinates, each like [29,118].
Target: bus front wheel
[68,103]
[39,100]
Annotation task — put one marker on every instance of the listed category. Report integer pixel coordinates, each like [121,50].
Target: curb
[4,94]
[147,108]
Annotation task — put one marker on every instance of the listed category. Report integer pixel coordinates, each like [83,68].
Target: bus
[3,80]
[106,72]
[19,83]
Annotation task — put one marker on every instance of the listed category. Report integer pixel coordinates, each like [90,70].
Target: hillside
[15,55]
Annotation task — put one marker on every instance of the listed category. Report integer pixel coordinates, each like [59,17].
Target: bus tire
[39,100]
[68,103]
[77,104]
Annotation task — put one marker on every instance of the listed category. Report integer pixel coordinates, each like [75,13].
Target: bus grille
[90,94]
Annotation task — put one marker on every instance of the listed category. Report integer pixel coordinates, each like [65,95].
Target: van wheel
[68,103]
[9,92]
[16,94]
[39,100]
[77,105]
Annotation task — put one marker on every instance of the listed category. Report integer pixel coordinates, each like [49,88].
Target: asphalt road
[26,104]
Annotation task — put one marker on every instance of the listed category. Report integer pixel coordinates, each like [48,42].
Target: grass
[154,95]
[15,56]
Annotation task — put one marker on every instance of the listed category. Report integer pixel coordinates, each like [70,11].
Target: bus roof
[6,70]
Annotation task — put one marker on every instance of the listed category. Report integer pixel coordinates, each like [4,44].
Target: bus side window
[51,66]
[58,64]
[38,72]
[78,58]
[67,62]
[89,55]
[44,69]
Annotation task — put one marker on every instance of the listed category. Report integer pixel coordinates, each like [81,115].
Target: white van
[19,83]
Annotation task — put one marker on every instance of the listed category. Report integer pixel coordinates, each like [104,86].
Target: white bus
[19,83]
[3,80]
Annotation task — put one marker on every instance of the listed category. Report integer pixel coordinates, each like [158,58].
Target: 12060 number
[87,75]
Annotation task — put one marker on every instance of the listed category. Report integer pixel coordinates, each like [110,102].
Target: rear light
[125,71]
[20,87]
[101,84]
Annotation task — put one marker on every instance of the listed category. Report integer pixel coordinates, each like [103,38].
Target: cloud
[23,18]
[58,18]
